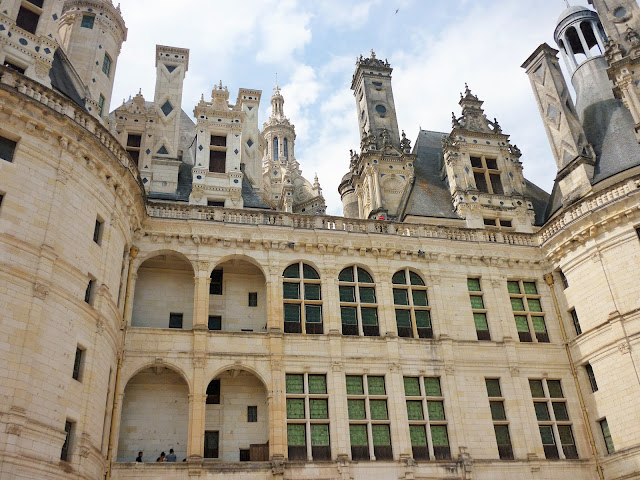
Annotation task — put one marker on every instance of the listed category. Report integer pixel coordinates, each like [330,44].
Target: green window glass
[309,273]
[369,316]
[378,409]
[521,323]
[367,295]
[411,386]
[291,313]
[295,383]
[477,302]
[296,435]
[313,313]
[480,320]
[346,275]
[423,319]
[419,298]
[399,278]
[376,385]
[432,387]
[493,387]
[354,385]
[560,411]
[497,411]
[403,318]
[381,435]
[295,408]
[534,305]
[418,435]
[517,305]
[513,287]
[530,288]
[319,435]
[414,410]
[502,435]
[318,408]
[311,291]
[536,388]
[542,411]
[538,325]
[363,276]
[555,390]
[347,294]
[439,435]
[546,434]
[348,315]
[566,435]
[292,271]
[474,284]
[415,279]
[291,291]
[87,21]
[356,409]
[606,434]
[400,297]
[436,410]
[106,65]
[317,384]
[358,435]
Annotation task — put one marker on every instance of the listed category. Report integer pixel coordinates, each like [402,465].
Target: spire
[277,103]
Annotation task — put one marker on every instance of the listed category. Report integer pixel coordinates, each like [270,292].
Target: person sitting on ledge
[172,456]
[139,457]
[161,458]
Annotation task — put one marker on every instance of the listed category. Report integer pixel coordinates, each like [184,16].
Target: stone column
[400,438]
[277,414]
[116,424]
[275,319]
[331,303]
[201,297]
[339,428]
[195,434]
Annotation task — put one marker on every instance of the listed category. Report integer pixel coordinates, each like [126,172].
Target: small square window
[87,21]
[175,320]
[252,414]
[215,322]
[7,148]
[245,455]
[77,364]
[97,231]
[253,299]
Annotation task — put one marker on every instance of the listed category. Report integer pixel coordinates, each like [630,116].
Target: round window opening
[620,12]
[381,109]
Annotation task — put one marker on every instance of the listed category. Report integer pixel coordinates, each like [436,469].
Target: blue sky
[434,46]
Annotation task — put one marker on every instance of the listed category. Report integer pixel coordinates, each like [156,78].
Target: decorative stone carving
[40,290]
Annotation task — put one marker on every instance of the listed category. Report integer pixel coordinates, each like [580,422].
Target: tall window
[553,419]
[302,299]
[28,16]
[66,446]
[275,149]
[527,311]
[88,293]
[218,154]
[499,417]
[213,392]
[77,364]
[358,308]
[413,316]
[286,149]
[7,148]
[215,287]
[101,101]
[606,436]
[576,321]
[592,377]
[106,65]
[487,175]
[369,428]
[134,141]
[211,441]
[478,308]
[97,231]
[307,417]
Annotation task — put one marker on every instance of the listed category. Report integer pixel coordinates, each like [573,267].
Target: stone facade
[444,328]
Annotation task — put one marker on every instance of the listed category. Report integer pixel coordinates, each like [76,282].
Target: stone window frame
[106,65]
[478,313]
[414,331]
[527,298]
[309,452]
[371,451]
[368,330]
[78,363]
[134,146]
[488,173]
[496,399]
[439,452]
[576,321]
[498,224]
[25,14]
[307,276]
[7,148]
[218,166]
[88,21]
[98,230]
[547,405]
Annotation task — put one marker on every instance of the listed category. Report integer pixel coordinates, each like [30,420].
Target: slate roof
[61,74]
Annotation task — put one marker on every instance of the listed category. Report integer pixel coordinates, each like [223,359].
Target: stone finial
[373,54]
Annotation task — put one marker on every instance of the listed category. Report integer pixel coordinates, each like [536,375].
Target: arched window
[302,299]
[286,149]
[275,148]
[358,308]
[413,316]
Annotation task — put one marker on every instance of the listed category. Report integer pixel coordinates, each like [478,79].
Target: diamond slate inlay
[200,147]
[249,142]
[235,151]
[147,151]
[166,108]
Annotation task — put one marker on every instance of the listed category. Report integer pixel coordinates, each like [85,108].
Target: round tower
[91,34]
[278,132]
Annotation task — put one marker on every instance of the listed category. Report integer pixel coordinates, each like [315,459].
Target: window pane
[423,319]
[513,287]
[354,385]
[411,386]
[432,387]
[517,305]
[309,272]
[291,313]
[555,390]
[497,411]
[439,435]
[496,184]
[480,320]
[356,409]
[369,316]
[521,323]
[400,297]
[311,291]
[295,408]
[296,435]
[378,409]
[292,271]
[347,294]
[399,278]
[476,302]
[363,276]
[419,298]
[346,275]
[318,408]
[418,435]
[291,291]
[403,318]
[502,434]
[536,388]
[560,411]
[319,435]
[358,435]
[348,315]
[534,305]
[317,384]
[566,436]
[367,295]
[376,385]
[416,279]
[493,387]
[313,313]
[295,383]
[481,182]
[542,411]
[530,288]
[436,410]
[414,410]
[381,435]
[473,284]
[546,434]
[538,325]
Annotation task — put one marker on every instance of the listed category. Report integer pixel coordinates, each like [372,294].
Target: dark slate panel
[61,80]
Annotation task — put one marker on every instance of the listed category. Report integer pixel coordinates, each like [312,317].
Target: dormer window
[487,175]
[29,15]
